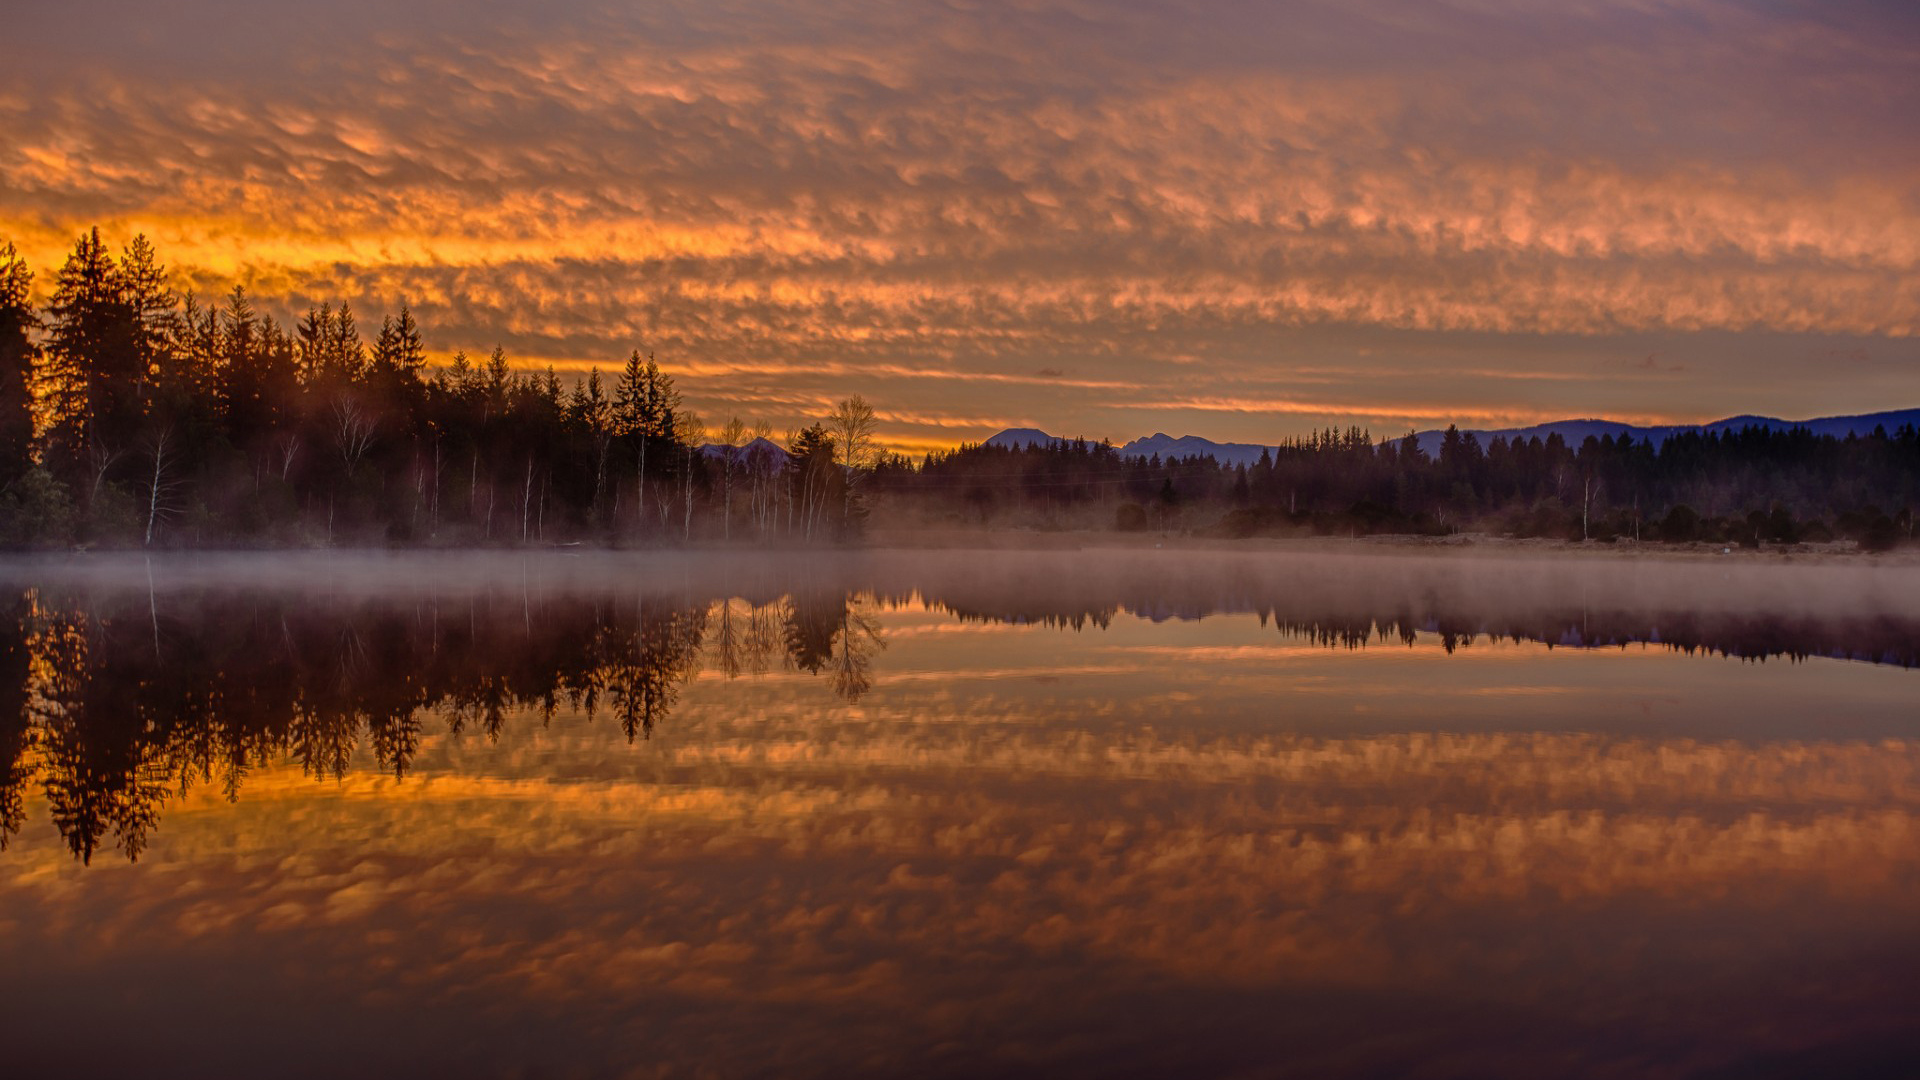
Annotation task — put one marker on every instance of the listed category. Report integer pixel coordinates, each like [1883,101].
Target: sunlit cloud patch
[1126,196]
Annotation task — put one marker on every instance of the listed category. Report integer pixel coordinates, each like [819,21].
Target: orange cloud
[969,202]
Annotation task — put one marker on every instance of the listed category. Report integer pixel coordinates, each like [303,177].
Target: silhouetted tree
[18,357]
[95,376]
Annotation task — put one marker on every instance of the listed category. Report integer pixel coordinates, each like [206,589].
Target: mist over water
[1176,582]
[1151,811]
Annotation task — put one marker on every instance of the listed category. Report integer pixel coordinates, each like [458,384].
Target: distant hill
[1019,438]
[1576,431]
[1158,443]
[716,450]
[1573,431]
[1166,446]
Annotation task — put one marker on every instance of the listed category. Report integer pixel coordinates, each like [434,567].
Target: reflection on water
[1004,814]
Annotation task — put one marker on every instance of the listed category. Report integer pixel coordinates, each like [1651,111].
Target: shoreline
[960,540]
[1462,544]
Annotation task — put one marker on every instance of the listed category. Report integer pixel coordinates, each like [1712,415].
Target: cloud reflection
[1013,827]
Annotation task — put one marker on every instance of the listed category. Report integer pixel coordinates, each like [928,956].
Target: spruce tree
[18,357]
[95,374]
[151,303]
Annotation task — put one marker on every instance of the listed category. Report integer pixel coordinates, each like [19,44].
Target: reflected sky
[960,844]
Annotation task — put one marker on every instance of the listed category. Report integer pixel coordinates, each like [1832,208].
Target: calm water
[1137,813]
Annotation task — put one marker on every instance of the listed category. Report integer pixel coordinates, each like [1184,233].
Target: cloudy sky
[1244,220]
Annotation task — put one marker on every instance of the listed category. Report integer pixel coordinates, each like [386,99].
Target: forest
[133,415]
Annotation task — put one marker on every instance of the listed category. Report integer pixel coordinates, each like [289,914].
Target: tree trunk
[526,502]
[153,491]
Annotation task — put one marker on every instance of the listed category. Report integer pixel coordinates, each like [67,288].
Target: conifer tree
[498,379]
[18,357]
[345,349]
[94,376]
[151,303]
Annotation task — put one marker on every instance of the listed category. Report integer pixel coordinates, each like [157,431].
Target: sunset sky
[1241,220]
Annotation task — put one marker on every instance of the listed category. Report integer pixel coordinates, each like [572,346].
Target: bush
[1881,535]
[35,512]
[1370,517]
[1130,517]
[1781,527]
[114,518]
[1681,525]
[1545,518]
[1238,524]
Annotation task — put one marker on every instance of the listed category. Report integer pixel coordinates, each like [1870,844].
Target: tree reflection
[100,713]
[854,648]
[812,622]
[113,703]
[16,730]
[650,664]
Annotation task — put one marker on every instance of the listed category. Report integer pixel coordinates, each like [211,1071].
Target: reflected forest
[117,704]
[117,701]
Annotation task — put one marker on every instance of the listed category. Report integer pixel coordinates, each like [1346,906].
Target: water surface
[1065,813]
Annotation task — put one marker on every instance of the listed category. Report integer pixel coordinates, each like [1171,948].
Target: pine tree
[182,418]
[393,379]
[386,349]
[310,339]
[410,355]
[192,359]
[663,401]
[94,376]
[345,349]
[18,357]
[151,302]
[499,380]
[629,395]
[242,393]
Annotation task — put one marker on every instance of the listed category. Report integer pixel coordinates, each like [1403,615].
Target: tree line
[1750,486]
[134,415]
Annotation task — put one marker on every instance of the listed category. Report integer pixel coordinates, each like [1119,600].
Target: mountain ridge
[1573,430]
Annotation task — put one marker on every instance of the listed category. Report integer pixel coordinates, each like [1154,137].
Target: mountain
[1573,431]
[1166,446]
[1576,431]
[1019,438]
[1158,443]
[758,445]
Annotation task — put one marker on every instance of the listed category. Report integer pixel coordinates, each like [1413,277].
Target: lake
[1044,813]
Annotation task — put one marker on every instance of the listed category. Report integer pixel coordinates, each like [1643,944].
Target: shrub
[35,512]
[1881,534]
[1681,525]
[1781,527]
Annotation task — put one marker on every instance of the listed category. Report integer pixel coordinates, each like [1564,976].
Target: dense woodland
[132,415]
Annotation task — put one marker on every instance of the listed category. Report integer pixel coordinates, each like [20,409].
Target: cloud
[997,189]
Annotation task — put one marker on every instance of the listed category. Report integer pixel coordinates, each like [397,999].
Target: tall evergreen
[18,357]
[151,303]
[96,372]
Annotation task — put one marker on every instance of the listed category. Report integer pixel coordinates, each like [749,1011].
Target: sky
[1240,220]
